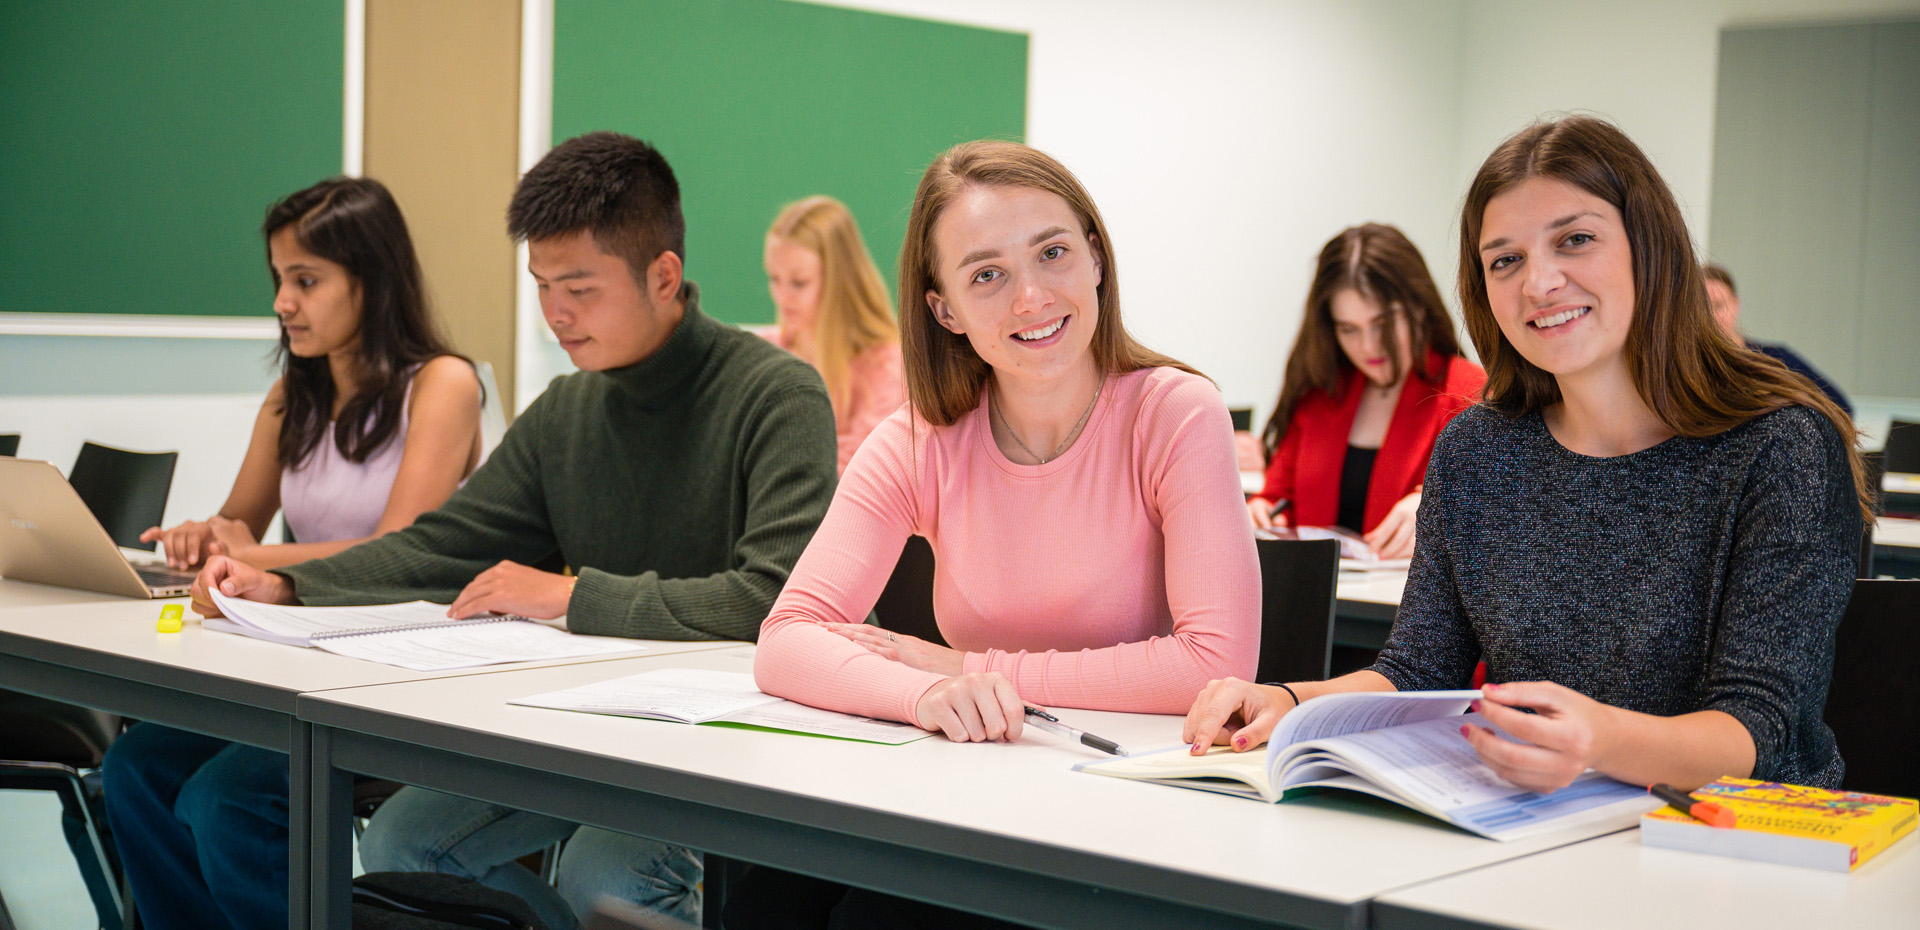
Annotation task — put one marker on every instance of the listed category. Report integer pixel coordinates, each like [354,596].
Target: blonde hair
[854,312]
[944,374]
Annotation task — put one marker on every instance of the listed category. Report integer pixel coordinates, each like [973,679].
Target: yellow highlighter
[170,618]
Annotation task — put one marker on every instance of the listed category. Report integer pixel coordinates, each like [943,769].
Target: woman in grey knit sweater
[1647,531]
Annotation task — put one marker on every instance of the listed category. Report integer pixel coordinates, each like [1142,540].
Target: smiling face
[1019,278]
[794,280]
[1559,275]
[593,305]
[317,301]
[1364,329]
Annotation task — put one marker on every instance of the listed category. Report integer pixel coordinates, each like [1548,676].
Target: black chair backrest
[127,491]
[42,730]
[1873,704]
[9,443]
[1902,451]
[1297,579]
[906,604]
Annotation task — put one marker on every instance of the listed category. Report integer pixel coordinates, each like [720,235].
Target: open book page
[689,695]
[1221,770]
[1428,766]
[467,645]
[283,623]
[1354,711]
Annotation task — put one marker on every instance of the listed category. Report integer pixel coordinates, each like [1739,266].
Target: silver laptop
[47,535]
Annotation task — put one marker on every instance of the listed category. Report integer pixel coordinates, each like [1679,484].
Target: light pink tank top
[326,497]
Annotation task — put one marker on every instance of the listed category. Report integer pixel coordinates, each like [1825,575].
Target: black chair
[1297,581]
[1902,450]
[1873,704]
[9,443]
[906,604]
[43,746]
[127,491]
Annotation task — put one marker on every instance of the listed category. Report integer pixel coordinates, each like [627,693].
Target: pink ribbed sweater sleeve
[838,579]
[1120,577]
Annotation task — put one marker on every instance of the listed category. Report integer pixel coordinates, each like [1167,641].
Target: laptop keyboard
[159,576]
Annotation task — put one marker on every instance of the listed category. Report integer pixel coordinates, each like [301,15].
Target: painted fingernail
[1199,746]
[1465,730]
[1239,742]
[1489,686]
[1475,704]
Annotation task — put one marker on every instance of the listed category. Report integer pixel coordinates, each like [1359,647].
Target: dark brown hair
[1717,272]
[1383,265]
[944,374]
[1690,373]
[355,223]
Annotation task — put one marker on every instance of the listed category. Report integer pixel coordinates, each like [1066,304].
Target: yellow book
[1788,824]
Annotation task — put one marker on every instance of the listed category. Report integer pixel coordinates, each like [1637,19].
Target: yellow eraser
[170,618]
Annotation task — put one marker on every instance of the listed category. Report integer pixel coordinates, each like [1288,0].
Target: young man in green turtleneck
[679,474]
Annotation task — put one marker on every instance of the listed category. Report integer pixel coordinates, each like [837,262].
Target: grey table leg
[299,823]
[330,855]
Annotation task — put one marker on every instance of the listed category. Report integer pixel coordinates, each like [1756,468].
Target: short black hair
[612,185]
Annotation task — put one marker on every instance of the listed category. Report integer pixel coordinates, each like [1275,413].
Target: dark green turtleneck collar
[683,353]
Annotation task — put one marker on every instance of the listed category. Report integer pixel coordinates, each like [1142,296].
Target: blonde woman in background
[835,314]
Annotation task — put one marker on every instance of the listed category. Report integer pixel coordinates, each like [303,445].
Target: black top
[1355,473]
[1698,574]
[1802,367]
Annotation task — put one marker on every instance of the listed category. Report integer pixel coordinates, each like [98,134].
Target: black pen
[1050,723]
[1279,506]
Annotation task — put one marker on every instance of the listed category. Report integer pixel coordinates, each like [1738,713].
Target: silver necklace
[1062,447]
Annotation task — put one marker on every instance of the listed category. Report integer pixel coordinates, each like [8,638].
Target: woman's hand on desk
[512,588]
[981,707]
[1231,712]
[185,544]
[235,578]
[230,537]
[1260,509]
[1393,538]
[911,651]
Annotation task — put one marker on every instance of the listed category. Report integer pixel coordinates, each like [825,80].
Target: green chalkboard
[759,102]
[142,143]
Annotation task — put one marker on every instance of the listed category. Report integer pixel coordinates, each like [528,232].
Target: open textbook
[1404,747]
[691,695]
[415,635]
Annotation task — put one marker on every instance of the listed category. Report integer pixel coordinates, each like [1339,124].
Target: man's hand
[235,578]
[512,588]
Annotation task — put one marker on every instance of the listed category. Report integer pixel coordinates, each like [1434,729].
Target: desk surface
[1613,882]
[1894,531]
[103,651]
[1011,808]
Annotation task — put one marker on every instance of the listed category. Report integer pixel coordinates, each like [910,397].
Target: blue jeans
[189,811]
[418,830]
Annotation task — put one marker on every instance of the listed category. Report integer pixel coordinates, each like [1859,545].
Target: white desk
[1007,828]
[103,652]
[1614,882]
[1365,603]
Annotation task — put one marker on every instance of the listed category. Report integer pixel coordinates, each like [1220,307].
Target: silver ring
[890,638]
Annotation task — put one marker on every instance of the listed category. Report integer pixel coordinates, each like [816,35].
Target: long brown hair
[944,375]
[1381,264]
[854,312]
[1688,371]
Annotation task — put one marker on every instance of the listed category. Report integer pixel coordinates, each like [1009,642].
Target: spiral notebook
[415,635]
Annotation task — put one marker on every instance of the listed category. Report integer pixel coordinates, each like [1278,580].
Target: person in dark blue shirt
[1725,301]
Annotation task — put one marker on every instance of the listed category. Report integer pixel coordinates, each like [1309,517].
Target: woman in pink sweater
[1079,491]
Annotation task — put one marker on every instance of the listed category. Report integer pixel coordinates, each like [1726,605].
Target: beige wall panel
[442,130]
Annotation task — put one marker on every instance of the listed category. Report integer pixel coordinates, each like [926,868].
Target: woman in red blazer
[1375,373]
